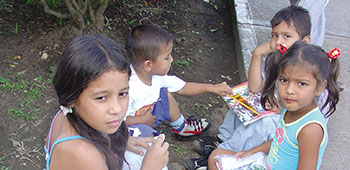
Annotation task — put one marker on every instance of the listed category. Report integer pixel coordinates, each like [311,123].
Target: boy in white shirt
[149,48]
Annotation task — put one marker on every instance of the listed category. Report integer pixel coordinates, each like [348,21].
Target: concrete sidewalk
[253,28]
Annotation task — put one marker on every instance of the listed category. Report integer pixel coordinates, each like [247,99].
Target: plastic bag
[256,161]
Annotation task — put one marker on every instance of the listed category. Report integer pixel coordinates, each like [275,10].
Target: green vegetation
[5,6]
[3,167]
[183,62]
[179,150]
[15,29]
[30,92]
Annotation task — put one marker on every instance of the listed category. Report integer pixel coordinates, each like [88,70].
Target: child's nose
[116,106]
[290,89]
[171,59]
[279,42]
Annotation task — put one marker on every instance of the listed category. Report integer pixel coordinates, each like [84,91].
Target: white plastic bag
[256,161]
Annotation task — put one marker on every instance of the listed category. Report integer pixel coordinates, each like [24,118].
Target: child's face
[163,62]
[283,34]
[297,87]
[103,104]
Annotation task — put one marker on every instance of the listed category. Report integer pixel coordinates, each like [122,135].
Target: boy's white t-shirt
[141,94]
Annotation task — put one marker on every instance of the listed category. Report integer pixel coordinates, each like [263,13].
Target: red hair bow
[334,53]
[283,48]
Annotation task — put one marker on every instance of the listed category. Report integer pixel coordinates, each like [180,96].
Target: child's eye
[287,36]
[123,94]
[302,84]
[101,98]
[283,80]
[167,57]
[274,36]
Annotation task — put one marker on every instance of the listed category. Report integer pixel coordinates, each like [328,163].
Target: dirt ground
[30,40]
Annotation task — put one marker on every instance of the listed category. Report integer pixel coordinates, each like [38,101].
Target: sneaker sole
[189,165]
[197,146]
[186,138]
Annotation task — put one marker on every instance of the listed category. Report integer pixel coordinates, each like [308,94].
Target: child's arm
[147,118]
[255,80]
[309,140]
[191,89]
[265,147]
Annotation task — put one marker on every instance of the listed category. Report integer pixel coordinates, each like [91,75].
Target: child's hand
[157,156]
[148,118]
[276,108]
[133,142]
[222,89]
[263,49]
[243,154]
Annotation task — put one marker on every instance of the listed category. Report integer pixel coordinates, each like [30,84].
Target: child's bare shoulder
[80,151]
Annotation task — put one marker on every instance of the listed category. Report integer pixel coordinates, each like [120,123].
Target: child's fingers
[159,140]
[239,154]
[165,146]
[144,142]
[133,148]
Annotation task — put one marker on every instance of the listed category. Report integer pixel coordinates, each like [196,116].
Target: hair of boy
[144,42]
[323,69]
[294,16]
[83,60]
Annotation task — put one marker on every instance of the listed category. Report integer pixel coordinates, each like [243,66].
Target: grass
[179,150]
[183,62]
[5,6]
[15,29]
[30,91]
[3,167]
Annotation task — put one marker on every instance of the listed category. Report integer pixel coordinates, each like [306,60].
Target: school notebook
[246,105]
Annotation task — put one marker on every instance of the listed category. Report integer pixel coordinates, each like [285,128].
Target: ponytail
[271,75]
[333,90]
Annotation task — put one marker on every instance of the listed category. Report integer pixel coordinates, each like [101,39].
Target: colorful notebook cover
[245,104]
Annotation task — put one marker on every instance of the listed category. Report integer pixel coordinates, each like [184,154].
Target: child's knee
[213,154]
[219,151]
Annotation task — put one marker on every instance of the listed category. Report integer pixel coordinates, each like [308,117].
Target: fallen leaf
[17,57]
[44,56]
[213,29]
[216,7]
[12,65]
[221,23]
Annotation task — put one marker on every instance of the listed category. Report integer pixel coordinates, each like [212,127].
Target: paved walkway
[253,18]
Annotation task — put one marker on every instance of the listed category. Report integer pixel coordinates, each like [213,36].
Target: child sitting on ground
[88,132]
[302,74]
[149,48]
[288,25]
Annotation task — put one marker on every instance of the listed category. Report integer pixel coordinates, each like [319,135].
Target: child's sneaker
[200,163]
[193,127]
[206,145]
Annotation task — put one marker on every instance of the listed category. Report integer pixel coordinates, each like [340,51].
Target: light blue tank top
[48,149]
[284,150]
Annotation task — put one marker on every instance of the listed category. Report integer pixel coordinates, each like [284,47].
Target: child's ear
[321,87]
[147,65]
[307,39]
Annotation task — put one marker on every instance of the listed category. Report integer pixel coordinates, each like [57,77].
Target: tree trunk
[80,11]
